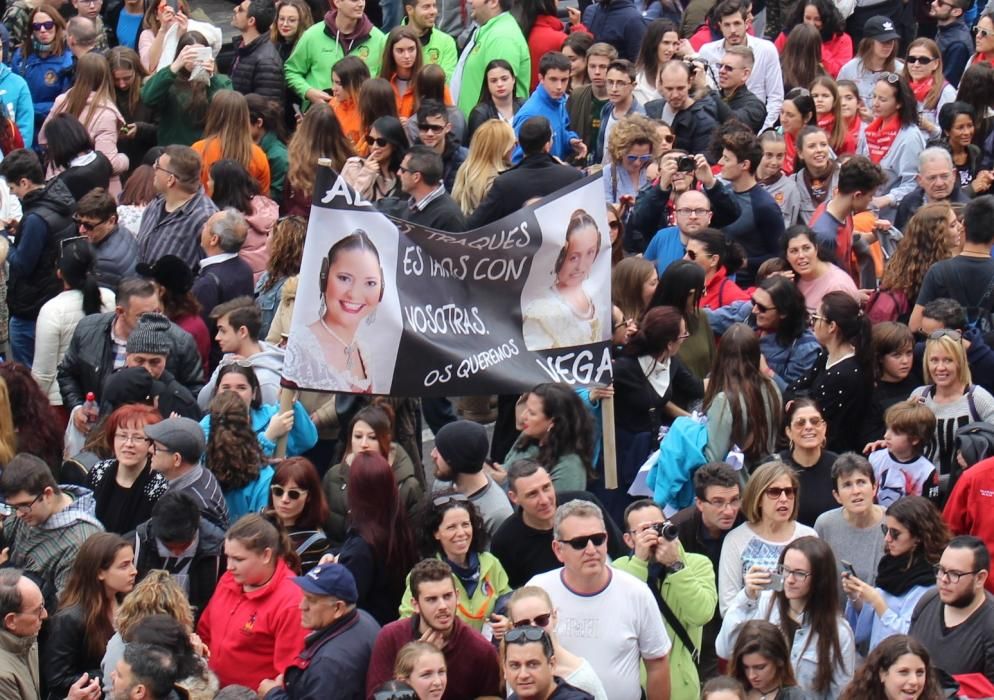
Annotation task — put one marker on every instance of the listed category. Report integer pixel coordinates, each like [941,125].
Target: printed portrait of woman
[565,315]
[327,354]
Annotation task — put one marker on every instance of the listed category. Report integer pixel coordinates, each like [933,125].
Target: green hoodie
[500,37]
[317,51]
[441,49]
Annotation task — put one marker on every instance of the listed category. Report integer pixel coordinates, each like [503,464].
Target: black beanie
[463,445]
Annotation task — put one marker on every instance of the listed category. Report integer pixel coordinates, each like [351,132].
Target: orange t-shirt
[210,153]
[349,119]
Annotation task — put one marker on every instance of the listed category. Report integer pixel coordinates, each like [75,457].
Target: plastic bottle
[90,408]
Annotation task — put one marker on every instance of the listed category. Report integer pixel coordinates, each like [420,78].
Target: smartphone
[847,568]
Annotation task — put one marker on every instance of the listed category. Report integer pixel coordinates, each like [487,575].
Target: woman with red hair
[379,547]
[124,486]
[297,501]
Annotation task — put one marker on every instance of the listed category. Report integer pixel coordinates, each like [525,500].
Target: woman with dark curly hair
[836,44]
[35,427]
[900,666]
[914,537]
[761,662]
[286,249]
[556,432]
[296,499]
[451,529]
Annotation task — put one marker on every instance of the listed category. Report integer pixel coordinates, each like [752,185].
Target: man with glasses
[606,616]
[420,174]
[435,132]
[953,37]
[115,246]
[549,101]
[258,67]
[955,620]
[46,523]
[693,214]
[734,71]
[530,667]
[938,181]
[22,610]
[621,102]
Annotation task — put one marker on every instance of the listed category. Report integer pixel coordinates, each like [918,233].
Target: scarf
[469,575]
[790,156]
[983,58]
[880,135]
[817,187]
[826,122]
[898,575]
[921,88]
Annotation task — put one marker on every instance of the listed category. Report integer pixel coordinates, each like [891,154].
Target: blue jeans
[22,340]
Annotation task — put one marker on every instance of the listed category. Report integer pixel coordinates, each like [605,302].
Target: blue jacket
[540,104]
[303,436]
[606,110]
[664,248]
[47,78]
[680,454]
[17,103]
[250,498]
[619,23]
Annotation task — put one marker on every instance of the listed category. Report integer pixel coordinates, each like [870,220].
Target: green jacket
[500,37]
[692,596]
[567,474]
[476,610]
[279,163]
[310,64]
[175,126]
[441,49]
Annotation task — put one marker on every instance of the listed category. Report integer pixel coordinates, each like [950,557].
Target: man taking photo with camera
[682,584]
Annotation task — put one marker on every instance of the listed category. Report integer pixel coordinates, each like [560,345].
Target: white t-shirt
[613,629]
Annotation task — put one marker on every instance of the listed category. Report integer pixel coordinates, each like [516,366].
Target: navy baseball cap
[329,579]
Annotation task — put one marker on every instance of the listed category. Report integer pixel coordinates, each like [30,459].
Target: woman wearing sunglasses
[44,61]
[319,136]
[770,505]
[719,257]
[531,606]
[800,595]
[806,431]
[631,148]
[952,396]
[914,537]
[451,529]
[375,176]
[296,498]
[923,71]
[984,36]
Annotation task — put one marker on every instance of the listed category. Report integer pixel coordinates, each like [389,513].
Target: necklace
[348,347]
[771,693]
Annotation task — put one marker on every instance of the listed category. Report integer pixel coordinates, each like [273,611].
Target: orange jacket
[210,153]
[405,102]
[349,119]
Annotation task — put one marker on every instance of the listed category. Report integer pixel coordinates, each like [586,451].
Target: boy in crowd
[900,467]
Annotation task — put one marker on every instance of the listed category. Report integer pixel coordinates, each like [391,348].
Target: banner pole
[286,404]
[610,451]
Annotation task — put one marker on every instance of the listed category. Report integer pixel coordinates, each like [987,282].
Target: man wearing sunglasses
[952,35]
[435,132]
[530,667]
[606,616]
[115,246]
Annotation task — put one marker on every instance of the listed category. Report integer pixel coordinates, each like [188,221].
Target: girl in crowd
[898,667]
[893,350]
[957,120]
[91,100]
[422,666]
[984,35]
[44,61]
[58,317]
[841,379]
[874,59]
[531,605]
[489,155]
[375,176]
[631,148]
[347,79]
[719,257]
[34,429]
[741,402]
[258,586]
[951,395]
[761,662]
[806,431]
[770,506]
[723,688]
[828,108]
[575,47]
[854,111]
[801,57]
[497,98]
[771,177]
[174,283]
[452,530]
[974,89]
[101,575]
[543,29]
[138,133]
[817,175]
[815,276]
[371,430]
[71,154]
[556,432]
[182,103]
[616,226]
[297,501]
[836,44]
[805,609]
[293,18]
[401,61]
[230,185]
[318,136]
[659,44]
[682,286]
[227,135]
[914,537]
[286,249]
[159,19]
[379,546]
[138,192]
[124,486]
[798,111]
[923,72]
[893,141]
[633,284]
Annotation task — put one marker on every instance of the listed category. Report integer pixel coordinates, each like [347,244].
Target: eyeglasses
[775,492]
[813,421]
[621,324]
[47,26]
[135,439]
[924,60]
[448,498]
[85,225]
[377,141]
[580,543]
[815,318]
[669,138]
[953,576]
[614,225]
[528,635]
[683,211]
[956,336]
[433,128]
[734,504]
[402,169]
[726,68]
[168,172]
[797,574]
[762,308]
[631,158]
[618,83]
[293,494]
[164,450]
[537,621]
[25,508]
[895,534]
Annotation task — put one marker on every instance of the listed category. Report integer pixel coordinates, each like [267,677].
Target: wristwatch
[675,566]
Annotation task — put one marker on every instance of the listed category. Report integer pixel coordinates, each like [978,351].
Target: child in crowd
[901,467]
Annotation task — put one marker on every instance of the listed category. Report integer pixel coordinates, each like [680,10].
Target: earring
[322,307]
[371,318]
[790,445]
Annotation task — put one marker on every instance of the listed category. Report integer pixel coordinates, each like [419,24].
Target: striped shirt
[203,487]
[176,232]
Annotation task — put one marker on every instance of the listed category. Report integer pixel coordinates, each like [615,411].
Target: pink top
[835,280]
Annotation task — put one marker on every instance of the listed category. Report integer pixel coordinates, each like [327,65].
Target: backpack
[886,305]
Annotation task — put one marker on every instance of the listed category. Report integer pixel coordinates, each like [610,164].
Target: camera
[666,530]
[686,164]
[776,581]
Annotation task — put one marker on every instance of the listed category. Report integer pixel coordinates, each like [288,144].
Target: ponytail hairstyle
[77,261]
[854,327]
[257,533]
[233,453]
[730,254]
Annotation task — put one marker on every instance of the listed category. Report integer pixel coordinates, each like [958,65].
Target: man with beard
[145,672]
[459,454]
[469,658]
[955,621]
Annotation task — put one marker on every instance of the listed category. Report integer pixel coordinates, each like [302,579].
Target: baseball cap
[329,579]
[880,28]
[181,435]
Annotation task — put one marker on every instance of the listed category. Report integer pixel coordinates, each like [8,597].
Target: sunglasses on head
[47,26]
[294,494]
[580,543]
[529,635]
[377,141]
[537,621]
[956,336]
[448,498]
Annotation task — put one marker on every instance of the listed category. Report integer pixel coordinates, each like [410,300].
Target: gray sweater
[861,547]
[900,165]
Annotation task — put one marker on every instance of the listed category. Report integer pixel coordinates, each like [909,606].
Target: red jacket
[970,508]
[253,636]
[546,35]
[835,52]
[721,291]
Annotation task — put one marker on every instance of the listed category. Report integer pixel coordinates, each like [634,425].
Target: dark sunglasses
[775,492]
[924,60]
[86,226]
[692,254]
[377,141]
[294,494]
[640,159]
[47,26]
[614,225]
[433,128]
[956,336]
[537,621]
[529,635]
[894,534]
[580,543]
[762,308]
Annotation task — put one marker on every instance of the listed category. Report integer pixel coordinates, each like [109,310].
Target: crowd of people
[802,286]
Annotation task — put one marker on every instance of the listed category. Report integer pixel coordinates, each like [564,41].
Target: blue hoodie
[540,104]
[17,103]
[47,78]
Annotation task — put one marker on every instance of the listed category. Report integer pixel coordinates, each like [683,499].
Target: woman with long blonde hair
[489,155]
[227,136]
[319,135]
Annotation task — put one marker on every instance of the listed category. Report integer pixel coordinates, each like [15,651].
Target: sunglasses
[631,158]
[894,534]
[762,308]
[813,421]
[775,492]
[448,498]
[614,225]
[580,543]
[85,225]
[529,635]
[923,60]
[982,33]
[433,128]
[537,621]
[377,141]
[693,254]
[294,494]
[47,26]
[621,324]
[956,336]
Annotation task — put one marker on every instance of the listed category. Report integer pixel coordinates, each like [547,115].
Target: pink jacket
[104,127]
[255,251]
